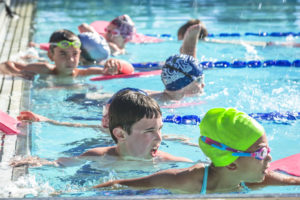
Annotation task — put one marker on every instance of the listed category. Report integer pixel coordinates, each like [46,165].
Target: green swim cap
[230,127]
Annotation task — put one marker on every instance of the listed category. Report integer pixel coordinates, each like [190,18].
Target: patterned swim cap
[93,47]
[179,71]
[125,25]
[230,127]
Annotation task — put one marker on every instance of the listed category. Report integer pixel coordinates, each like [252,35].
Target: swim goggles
[64,44]
[260,154]
[115,32]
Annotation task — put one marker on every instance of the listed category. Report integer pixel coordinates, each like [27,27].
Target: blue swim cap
[127,88]
[93,47]
[179,71]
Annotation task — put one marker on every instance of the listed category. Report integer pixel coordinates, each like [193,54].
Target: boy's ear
[119,133]
[232,166]
[50,54]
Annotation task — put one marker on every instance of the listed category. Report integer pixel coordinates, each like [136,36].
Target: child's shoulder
[101,151]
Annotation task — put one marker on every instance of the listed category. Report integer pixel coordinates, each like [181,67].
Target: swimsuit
[204,183]
[244,189]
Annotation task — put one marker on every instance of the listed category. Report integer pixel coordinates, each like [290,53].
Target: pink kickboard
[99,26]
[289,165]
[137,74]
[184,104]
[8,124]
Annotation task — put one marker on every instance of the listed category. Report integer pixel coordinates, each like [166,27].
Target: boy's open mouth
[154,151]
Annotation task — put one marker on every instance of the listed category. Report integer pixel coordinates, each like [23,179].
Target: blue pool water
[251,90]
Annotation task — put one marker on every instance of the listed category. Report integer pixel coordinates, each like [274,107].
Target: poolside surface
[15,33]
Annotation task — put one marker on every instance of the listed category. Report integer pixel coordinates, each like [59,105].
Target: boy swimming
[204,33]
[65,53]
[135,124]
[182,74]
[239,152]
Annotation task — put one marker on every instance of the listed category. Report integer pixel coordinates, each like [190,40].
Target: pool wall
[15,33]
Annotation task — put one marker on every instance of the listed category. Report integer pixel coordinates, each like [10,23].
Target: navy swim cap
[179,71]
[93,46]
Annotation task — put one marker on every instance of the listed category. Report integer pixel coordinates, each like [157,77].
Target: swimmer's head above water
[183,74]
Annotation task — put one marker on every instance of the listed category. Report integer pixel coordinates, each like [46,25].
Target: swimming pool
[251,90]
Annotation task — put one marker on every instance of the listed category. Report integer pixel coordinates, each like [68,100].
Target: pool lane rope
[220,64]
[259,34]
[226,64]
[195,119]
[271,116]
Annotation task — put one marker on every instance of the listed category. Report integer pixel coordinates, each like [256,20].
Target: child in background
[135,124]
[65,52]
[239,152]
[203,37]
[119,31]
[182,74]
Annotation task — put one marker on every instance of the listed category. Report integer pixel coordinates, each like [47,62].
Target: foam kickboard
[136,74]
[8,124]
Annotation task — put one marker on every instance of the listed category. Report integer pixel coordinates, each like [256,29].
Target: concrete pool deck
[15,33]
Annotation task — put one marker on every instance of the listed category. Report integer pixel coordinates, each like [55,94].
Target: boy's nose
[158,136]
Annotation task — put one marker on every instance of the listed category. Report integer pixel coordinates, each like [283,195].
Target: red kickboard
[289,165]
[137,74]
[100,26]
[8,124]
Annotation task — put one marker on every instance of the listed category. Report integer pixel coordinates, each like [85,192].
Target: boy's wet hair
[182,30]
[60,35]
[129,107]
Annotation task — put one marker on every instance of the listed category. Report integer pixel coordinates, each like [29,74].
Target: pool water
[250,90]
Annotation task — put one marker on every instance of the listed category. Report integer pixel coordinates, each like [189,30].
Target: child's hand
[112,66]
[32,117]
[32,161]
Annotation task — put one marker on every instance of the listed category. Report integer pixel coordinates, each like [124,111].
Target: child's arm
[35,161]
[32,117]
[276,178]
[115,49]
[183,180]
[33,68]
[111,67]
[86,28]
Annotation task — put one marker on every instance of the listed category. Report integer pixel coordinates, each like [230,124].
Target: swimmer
[65,52]
[242,163]
[135,123]
[28,116]
[119,31]
[203,37]
[182,74]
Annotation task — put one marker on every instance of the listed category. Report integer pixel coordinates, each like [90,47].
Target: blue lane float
[260,34]
[219,64]
[195,119]
[271,116]
[226,64]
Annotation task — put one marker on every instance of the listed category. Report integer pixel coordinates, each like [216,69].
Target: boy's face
[145,138]
[66,60]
